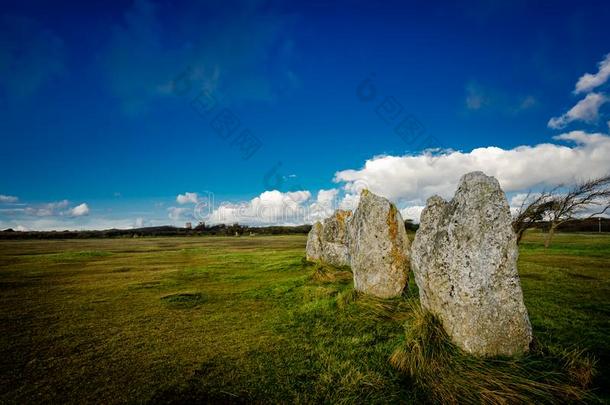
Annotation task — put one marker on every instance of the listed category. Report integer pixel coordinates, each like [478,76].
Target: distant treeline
[217,230]
[580,225]
[577,225]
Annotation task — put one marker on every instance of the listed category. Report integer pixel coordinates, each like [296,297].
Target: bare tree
[584,200]
[531,210]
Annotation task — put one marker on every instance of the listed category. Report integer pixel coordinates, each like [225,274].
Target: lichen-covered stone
[378,247]
[328,241]
[335,239]
[313,251]
[464,259]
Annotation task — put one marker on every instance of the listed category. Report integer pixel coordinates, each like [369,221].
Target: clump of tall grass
[445,374]
[326,273]
[388,309]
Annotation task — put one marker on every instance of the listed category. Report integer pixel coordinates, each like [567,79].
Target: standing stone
[328,241]
[464,259]
[313,251]
[378,247]
[335,239]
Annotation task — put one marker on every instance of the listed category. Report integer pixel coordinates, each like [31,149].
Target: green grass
[247,320]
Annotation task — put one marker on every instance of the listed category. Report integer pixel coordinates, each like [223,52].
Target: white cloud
[520,198]
[413,212]
[350,201]
[277,208]
[177,214]
[52,209]
[59,223]
[8,199]
[48,209]
[588,81]
[412,179]
[58,208]
[187,198]
[79,210]
[586,110]
[324,206]
[269,208]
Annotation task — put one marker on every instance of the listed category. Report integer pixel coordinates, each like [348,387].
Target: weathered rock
[328,241]
[335,239]
[379,247]
[464,258]
[313,251]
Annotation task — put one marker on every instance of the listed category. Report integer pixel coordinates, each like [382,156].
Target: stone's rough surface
[335,239]
[328,241]
[313,251]
[464,258]
[379,247]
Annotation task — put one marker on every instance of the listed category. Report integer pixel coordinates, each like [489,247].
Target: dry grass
[447,375]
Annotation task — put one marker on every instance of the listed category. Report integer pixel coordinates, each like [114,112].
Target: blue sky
[99,129]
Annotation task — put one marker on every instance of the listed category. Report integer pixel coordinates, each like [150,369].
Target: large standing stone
[328,241]
[335,239]
[313,251]
[464,259]
[379,247]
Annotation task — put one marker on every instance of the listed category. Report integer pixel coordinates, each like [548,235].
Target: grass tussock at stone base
[445,374]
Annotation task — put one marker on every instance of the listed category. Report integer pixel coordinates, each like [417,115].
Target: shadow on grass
[183,300]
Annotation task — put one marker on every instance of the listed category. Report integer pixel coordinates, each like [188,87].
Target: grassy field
[244,319]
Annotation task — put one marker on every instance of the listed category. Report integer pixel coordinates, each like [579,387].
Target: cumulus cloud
[277,208]
[8,199]
[324,205]
[589,81]
[586,110]
[187,198]
[412,179]
[349,201]
[79,210]
[413,212]
[269,208]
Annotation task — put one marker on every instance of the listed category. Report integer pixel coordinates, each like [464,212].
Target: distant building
[188,225]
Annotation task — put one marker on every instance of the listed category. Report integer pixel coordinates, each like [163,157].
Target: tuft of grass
[387,309]
[581,366]
[326,273]
[445,374]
